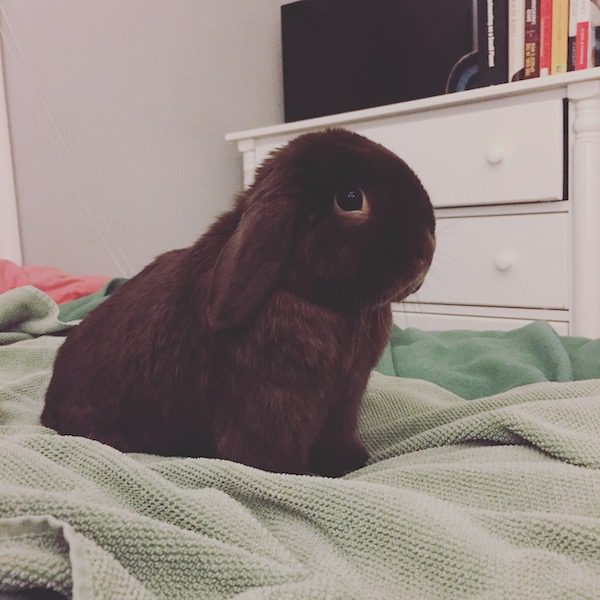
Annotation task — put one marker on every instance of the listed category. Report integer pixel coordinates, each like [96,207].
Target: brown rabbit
[255,344]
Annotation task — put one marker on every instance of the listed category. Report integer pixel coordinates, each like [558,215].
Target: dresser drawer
[516,260]
[488,155]
[491,154]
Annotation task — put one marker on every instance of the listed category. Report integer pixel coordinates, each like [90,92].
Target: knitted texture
[497,497]
[27,312]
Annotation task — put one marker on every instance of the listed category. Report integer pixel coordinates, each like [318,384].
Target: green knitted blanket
[496,497]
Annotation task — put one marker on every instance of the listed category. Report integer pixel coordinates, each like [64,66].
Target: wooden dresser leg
[585,205]
[246,147]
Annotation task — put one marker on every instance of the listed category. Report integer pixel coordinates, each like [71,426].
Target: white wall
[117,111]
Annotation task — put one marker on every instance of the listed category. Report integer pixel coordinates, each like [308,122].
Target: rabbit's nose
[422,268]
[431,239]
[429,249]
[423,250]
[416,287]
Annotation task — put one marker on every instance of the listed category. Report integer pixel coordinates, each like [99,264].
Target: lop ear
[251,260]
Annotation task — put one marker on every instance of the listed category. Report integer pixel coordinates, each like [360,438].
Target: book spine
[516,40]
[573,19]
[579,34]
[492,16]
[532,38]
[545,37]
[560,36]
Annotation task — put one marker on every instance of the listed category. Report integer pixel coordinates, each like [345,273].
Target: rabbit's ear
[249,263]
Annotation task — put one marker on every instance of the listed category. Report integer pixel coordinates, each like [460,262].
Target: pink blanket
[60,286]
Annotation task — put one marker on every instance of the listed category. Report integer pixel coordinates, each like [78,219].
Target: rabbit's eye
[350,200]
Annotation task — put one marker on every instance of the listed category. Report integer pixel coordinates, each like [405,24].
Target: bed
[483,482]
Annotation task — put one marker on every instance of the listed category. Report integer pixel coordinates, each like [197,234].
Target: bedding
[60,286]
[474,364]
[496,496]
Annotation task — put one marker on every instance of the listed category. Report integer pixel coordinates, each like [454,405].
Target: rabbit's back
[134,374]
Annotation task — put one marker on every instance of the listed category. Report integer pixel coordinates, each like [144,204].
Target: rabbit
[255,344]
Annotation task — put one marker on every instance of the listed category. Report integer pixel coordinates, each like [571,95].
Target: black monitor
[343,55]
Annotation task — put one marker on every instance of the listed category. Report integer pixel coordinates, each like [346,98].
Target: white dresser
[513,172]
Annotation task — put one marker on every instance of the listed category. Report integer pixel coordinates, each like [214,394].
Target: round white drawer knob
[494,155]
[503,262]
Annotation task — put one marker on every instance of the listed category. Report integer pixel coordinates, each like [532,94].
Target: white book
[516,39]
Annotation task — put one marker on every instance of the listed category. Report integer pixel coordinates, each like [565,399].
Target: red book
[545,37]
[582,44]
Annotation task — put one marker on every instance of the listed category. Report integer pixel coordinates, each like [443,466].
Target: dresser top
[516,88]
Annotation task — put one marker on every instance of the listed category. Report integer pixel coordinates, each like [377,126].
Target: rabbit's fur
[255,344]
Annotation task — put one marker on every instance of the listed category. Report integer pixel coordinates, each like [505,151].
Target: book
[594,43]
[532,39]
[516,40]
[584,19]
[560,36]
[545,28]
[575,9]
[492,36]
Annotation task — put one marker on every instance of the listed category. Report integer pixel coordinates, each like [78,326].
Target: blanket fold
[26,312]
[474,364]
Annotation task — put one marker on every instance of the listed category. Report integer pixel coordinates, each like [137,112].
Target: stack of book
[521,39]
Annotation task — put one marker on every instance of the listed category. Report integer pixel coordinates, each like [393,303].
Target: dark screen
[341,55]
